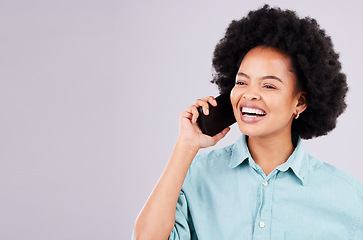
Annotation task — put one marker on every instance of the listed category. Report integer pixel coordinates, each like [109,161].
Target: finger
[211,100]
[221,135]
[191,113]
[194,112]
[187,114]
[204,104]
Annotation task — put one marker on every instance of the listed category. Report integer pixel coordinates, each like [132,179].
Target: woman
[286,83]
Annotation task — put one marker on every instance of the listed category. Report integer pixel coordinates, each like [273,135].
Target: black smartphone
[219,117]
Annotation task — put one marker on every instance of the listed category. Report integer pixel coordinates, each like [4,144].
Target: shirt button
[265,183]
[261,224]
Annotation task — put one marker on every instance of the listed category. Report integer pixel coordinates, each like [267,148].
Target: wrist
[187,146]
[183,155]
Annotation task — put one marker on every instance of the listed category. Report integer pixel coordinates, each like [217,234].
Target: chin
[251,132]
[255,131]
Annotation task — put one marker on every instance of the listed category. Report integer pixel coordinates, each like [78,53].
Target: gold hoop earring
[297,114]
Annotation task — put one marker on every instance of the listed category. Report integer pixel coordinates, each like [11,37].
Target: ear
[301,101]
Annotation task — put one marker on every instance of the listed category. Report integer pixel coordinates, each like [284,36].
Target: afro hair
[316,64]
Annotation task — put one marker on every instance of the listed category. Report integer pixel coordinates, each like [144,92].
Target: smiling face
[265,98]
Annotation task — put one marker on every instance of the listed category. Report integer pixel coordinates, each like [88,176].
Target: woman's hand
[189,131]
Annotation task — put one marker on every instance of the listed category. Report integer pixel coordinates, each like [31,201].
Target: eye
[240,83]
[269,86]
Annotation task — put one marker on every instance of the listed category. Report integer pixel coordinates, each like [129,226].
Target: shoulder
[336,178]
[209,166]
[214,156]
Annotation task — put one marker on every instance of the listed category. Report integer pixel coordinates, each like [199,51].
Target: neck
[270,152]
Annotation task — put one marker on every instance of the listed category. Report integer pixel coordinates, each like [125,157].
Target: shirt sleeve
[359,226]
[183,227]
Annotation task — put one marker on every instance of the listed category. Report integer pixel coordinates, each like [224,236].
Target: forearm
[156,219]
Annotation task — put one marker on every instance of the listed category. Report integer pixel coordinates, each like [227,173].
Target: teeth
[252,111]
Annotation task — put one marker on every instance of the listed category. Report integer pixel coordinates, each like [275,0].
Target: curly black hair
[317,65]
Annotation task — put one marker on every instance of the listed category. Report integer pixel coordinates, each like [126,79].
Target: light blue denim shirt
[227,196]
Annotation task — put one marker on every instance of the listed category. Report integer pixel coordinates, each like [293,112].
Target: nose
[251,94]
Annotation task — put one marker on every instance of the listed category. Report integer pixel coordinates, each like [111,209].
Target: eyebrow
[263,78]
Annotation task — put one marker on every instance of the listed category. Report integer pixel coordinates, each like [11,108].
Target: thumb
[220,135]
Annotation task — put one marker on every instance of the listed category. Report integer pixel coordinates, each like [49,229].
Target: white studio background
[91,92]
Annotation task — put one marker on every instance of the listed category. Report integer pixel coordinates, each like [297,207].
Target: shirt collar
[240,152]
[297,161]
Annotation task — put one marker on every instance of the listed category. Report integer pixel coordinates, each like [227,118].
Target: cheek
[283,103]
[235,96]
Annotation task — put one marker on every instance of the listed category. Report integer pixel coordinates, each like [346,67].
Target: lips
[251,113]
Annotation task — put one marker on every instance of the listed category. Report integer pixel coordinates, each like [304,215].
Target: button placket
[263,221]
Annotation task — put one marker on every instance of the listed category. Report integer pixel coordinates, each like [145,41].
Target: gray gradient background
[91,92]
